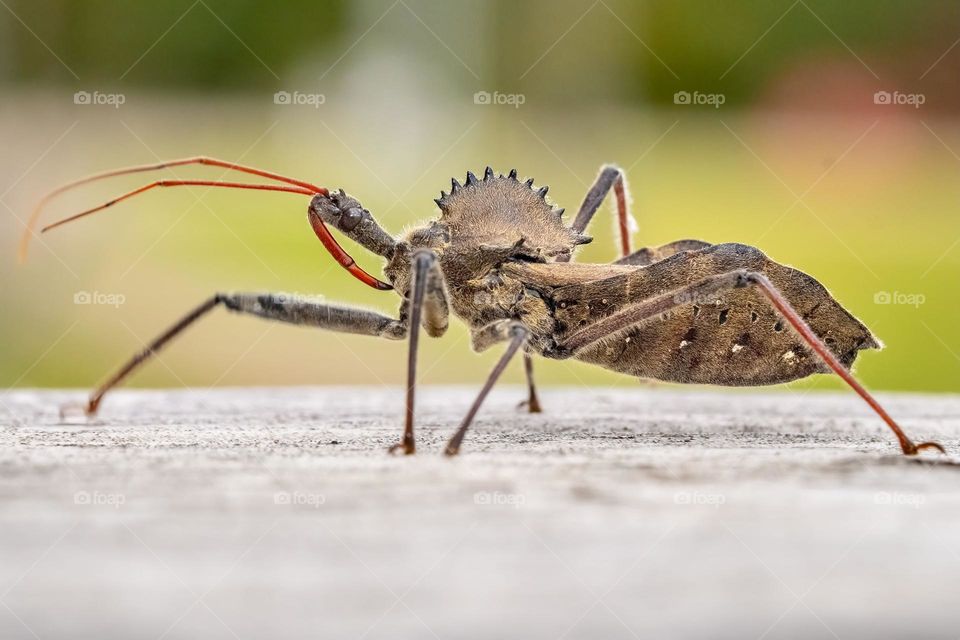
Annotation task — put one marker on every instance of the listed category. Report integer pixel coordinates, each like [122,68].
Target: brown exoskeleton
[499,255]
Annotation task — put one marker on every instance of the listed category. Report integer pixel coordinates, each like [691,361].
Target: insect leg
[532,403]
[427,306]
[517,335]
[814,342]
[291,309]
[610,177]
[497,332]
[712,285]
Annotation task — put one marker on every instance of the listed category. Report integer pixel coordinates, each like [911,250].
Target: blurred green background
[801,159]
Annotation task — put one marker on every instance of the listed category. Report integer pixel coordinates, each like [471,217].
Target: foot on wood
[532,405]
[72,409]
[913,449]
[406,448]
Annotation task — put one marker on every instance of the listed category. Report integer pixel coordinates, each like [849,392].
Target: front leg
[427,300]
[271,306]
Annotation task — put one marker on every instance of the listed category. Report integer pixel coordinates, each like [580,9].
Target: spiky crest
[500,209]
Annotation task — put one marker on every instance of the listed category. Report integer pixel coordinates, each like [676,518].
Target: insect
[499,256]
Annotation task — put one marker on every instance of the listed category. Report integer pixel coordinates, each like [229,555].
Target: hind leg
[648,309]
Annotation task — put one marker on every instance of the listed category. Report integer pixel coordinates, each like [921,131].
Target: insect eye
[350,218]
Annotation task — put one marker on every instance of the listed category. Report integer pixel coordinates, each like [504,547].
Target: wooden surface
[634,513]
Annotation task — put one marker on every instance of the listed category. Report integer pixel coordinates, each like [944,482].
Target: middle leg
[610,177]
[516,333]
[532,403]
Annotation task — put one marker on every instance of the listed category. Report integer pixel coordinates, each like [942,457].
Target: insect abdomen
[734,339]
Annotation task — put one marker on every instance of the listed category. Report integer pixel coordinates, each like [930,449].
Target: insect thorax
[484,224]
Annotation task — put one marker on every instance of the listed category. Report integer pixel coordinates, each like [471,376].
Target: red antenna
[292,186]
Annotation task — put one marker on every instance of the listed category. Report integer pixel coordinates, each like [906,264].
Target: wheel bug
[499,256]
